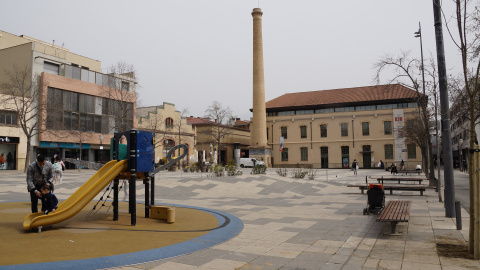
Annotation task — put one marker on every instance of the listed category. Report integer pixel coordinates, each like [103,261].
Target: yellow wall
[19,56]
[334,141]
[153,119]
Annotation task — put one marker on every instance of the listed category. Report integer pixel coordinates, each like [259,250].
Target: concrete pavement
[297,223]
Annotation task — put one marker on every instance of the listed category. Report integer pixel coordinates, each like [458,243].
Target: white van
[250,162]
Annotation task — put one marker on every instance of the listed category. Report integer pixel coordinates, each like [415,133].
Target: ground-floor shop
[85,152]
[9,152]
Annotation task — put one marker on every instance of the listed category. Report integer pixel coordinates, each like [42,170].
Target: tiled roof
[198,120]
[366,94]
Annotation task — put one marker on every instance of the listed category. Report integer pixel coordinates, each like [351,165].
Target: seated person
[393,169]
[49,200]
[418,168]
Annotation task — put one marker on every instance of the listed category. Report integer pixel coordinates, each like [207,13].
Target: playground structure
[132,161]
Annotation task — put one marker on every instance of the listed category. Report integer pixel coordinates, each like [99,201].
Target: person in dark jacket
[39,173]
[49,200]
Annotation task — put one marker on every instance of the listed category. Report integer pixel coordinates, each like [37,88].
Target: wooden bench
[383,179]
[394,212]
[420,188]
[405,172]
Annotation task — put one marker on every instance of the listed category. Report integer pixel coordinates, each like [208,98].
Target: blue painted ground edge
[213,238]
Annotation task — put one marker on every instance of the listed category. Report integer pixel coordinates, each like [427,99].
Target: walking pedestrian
[355,167]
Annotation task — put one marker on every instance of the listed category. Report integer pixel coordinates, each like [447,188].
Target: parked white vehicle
[250,162]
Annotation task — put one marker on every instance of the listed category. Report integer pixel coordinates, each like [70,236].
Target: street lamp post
[460,154]
[423,102]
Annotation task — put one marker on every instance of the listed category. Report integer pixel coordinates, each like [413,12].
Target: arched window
[169,122]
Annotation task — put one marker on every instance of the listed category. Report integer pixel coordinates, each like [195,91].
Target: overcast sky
[191,52]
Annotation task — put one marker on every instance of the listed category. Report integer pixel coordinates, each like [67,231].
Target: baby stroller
[376,199]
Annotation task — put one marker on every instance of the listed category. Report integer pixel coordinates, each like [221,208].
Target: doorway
[324,157]
[367,156]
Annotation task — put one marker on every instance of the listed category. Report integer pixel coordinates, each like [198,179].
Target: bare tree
[23,94]
[464,31]
[223,124]
[407,70]
[121,95]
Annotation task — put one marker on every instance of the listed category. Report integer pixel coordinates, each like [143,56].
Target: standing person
[39,173]
[9,161]
[58,167]
[2,162]
[49,200]
[355,167]
[465,166]
[402,165]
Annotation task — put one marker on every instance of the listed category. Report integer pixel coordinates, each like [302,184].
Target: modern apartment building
[460,130]
[170,128]
[77,108]
[331,128]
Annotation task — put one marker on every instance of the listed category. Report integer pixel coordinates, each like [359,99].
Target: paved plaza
[294,223]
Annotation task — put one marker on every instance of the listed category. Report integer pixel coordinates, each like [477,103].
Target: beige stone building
[331,128]
[78,105]
[170,128]
[234,144]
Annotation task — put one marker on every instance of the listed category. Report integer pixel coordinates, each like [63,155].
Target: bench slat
[397,211]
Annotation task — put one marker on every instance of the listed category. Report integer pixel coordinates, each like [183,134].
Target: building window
[285,154]
[304,153]
[8,118]
[388,151]
[412,150]
[323,131]
[344,129]
[387,127]
[167,145]
[51,68]
[283,130]
[303,131]
[169,122]
[68,110]
[125,86]
[366,128]
[267,134]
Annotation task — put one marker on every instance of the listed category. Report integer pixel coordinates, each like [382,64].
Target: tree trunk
[473,185]
[27,158]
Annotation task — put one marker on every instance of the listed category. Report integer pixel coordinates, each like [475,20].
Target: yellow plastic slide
[78,200]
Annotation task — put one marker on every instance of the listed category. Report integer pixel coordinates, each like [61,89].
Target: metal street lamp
[419,34]
[422,101]
[460,153]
